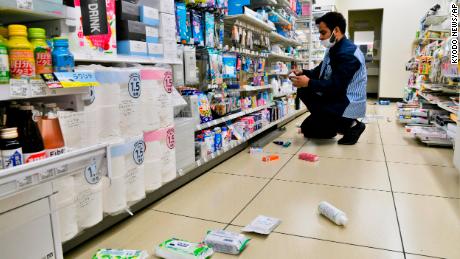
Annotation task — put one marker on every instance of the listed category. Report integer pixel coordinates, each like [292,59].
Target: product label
[151,13]
[43,63]
[12,158]
[19,88]
[134,85]
[92,175]
[43,176]
[138,152]
[94,17]
[170,138]
[155,48]
[168,82]
[26,181]
[31,157]
[55,152]
[22,63]
[151,31]
[4,66]
[25,4]
[37,87]
[138,46]
[51,81]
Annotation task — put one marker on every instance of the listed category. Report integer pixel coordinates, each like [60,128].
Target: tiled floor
[402,200]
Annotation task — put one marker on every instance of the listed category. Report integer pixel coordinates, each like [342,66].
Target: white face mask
[329,43]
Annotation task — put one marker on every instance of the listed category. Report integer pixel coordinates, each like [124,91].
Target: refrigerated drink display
[11,151]
[29,136]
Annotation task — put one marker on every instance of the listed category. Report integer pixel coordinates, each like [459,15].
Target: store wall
[400,22]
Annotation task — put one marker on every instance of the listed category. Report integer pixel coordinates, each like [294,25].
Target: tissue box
[152,34]
[127,11]
[149,15]
[166,30]
[163,6]
[155,49]
[94,42]
[132,47]
[131,30]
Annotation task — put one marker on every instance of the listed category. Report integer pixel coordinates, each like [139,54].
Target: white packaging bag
[134,160]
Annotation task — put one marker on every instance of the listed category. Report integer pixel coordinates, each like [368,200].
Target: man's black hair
[332,20]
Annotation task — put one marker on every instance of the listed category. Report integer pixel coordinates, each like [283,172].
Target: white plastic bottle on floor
[335,215]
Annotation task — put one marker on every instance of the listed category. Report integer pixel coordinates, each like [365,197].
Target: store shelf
[231,117]
[277,38]
[27,91]
[22,177]
[124,59]
[262,3]
[435,19]
[249,88]
[250,20]
[30,11]
[280,57]
[281,19]
[445,107]
[284,94]
[246,52]
[283,3]
[235,144]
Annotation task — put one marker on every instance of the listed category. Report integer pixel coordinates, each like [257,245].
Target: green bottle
[42,52]
[4,63]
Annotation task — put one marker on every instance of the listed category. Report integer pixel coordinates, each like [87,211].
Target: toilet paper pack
[160,80]
[165,139]
[134,161]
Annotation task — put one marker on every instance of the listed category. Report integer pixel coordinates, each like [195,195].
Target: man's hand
[297,72]
[300,81]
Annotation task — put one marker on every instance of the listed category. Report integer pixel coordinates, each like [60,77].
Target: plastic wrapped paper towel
[161,144]
[152,163]
[114,189]
[134,160]
[67,207]
[160,81]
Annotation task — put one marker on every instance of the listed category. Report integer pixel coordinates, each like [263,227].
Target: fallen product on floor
[179,249]
[332,213]
[120,254]
[223,241]
[308,157]
[270,158]
[282,143]
[262,225]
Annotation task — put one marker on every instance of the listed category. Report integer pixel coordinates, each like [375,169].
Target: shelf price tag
[76,79]
[43,176]
[25,4]
[25,182]
[37,87]
[19,88]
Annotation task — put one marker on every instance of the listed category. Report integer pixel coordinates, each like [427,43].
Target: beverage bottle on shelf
[42,51]
[4,63]
[21,53]
[51,132]
[11,151]
[12,115]
[63,60]
[29,136]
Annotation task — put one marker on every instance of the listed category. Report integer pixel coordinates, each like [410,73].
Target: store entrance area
[372,182]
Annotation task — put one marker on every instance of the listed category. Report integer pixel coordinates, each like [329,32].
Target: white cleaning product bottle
[329,211]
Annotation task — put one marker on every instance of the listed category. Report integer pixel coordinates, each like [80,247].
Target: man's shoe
[352,136]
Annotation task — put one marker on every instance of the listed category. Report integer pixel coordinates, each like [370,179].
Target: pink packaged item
[308,157]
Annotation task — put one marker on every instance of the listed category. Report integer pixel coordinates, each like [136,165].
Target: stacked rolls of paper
[115,187]
[89,201]
[67,207]
[134,160]
[163,145]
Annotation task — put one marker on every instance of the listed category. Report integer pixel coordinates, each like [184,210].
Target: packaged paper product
[89,202]
[120,254]
[223,241]
[67,207]
[130,105]
[161,79]
[166,139]
[95,36]
[262,225]
[114,195]
[134,160]
[180,249]
[153,163]
[72,126]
